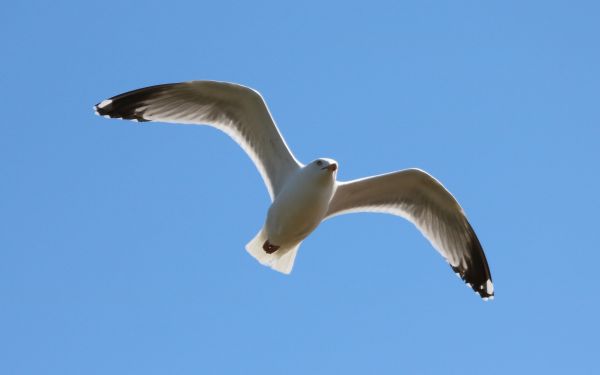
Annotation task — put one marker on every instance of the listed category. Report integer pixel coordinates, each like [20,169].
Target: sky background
[122,246]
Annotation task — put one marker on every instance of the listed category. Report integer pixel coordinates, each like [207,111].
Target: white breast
[299,207]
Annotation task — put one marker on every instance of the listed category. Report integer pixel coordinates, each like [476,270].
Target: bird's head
[324,166]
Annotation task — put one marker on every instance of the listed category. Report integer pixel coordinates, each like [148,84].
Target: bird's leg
[269,248]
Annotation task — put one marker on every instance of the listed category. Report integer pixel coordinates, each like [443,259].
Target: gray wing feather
[421,199]
[236,110]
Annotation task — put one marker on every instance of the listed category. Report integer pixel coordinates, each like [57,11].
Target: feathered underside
[238,111]
[421,199]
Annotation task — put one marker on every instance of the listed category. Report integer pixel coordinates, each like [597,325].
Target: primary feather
[234,109]
[420,198]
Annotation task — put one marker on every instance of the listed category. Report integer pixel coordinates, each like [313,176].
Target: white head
[324,167]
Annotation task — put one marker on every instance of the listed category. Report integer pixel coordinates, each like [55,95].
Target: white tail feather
[254,247]
[281,260]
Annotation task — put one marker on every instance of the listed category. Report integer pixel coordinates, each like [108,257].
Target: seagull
[303,196]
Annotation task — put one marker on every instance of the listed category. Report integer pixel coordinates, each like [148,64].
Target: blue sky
[121,246]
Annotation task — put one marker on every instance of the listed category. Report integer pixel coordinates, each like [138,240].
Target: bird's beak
[331,167]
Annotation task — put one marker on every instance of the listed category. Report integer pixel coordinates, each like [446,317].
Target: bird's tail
[281,260]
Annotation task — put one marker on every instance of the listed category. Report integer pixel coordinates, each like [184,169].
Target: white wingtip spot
[104,103]
[489,287]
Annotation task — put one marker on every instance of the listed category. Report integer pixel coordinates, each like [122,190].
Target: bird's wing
[421,199]
[234,109]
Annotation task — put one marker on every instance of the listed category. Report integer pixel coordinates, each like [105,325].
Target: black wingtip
[106,109]
[485,288]
[476,272]
[130,105]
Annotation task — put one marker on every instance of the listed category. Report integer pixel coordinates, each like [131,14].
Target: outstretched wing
[421,199]
[234,109]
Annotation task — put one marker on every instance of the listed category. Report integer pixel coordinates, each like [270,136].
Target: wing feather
[237,110]
[421,199]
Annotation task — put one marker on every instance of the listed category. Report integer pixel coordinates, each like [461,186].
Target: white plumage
[304,195]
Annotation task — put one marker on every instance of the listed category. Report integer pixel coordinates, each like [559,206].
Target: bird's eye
[319,163]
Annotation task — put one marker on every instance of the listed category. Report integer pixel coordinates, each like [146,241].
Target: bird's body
[300,206]
[305,195]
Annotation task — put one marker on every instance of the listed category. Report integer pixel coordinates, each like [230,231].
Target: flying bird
[305,195]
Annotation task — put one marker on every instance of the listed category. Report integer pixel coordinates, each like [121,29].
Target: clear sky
[122,245]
